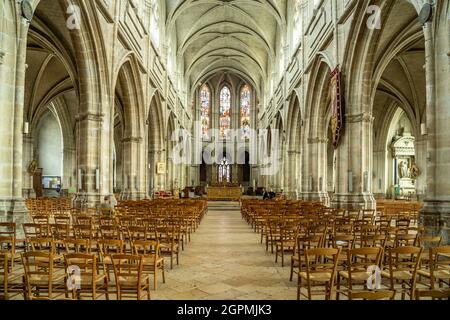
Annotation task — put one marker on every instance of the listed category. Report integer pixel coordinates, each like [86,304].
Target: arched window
[225,113]
[246,96]
[224,171]
[205,110]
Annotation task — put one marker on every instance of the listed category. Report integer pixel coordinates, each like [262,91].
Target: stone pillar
[354,164]
[421,162]
[131,168]
[291,174]
[94,151]
[314,171]
[12,86]
[27,178]
[380,169]
[435,215]
[69,178]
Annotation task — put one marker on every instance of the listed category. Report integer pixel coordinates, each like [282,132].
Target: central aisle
[225,261]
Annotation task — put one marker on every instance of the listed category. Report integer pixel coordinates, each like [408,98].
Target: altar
[224,193]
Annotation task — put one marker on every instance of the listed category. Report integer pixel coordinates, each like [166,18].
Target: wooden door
[37,183]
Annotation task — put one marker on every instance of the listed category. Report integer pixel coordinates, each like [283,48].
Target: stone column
[421,162]
[94,151]
[354,164]
[291,174]
[131,168]
[12,82]
[380,169]
[314,171]
[69,178]
[27,178]
[435,215]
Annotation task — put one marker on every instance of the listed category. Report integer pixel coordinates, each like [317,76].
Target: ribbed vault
[238,36]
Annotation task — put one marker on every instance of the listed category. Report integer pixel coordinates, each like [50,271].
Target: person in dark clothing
[266,195]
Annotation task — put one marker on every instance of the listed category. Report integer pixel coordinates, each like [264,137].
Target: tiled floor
[226,261]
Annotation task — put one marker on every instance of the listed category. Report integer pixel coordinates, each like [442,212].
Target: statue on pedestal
[403,170]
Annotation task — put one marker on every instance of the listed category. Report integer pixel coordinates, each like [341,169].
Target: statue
[403,170]
[415,171]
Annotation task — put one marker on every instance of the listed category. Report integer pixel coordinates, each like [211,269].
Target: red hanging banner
[337,105]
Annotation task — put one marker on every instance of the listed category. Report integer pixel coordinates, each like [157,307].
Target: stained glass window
[245,112]
[224,171]
[205,99]
[225,113]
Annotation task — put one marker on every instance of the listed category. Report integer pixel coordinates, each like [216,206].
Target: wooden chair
[303,243]
[372,295]
[274,233]
[9,282]
[403,267]
[8,241]
[151,252]
[169,247]
[40,278]
[106,248]
[130,280]
[319,269]
[432,294]
[439,267]
[286,243]
[91,280]
[110,232]
[73,245]
[345,243]
[428,242]
[359,262]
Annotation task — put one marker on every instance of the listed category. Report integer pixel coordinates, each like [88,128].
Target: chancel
[224,150]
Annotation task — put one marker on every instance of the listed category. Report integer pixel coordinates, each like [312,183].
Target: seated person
[266,195]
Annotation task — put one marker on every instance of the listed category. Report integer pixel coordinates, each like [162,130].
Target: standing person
[109,203]
[265,194]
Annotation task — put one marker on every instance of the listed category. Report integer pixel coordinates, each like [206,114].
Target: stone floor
[226,261]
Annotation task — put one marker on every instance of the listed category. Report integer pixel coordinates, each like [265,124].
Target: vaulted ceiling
[237,36]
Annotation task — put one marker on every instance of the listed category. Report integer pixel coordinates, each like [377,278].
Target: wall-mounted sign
[161,168]
[337,105]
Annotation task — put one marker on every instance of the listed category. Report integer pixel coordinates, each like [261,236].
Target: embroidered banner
[337,105]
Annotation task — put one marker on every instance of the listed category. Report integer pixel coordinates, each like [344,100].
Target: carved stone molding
[132,139]
[90,116]
[317,140]
[362,117]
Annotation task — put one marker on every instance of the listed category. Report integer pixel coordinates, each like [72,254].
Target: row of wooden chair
[304,229]
[89,242]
